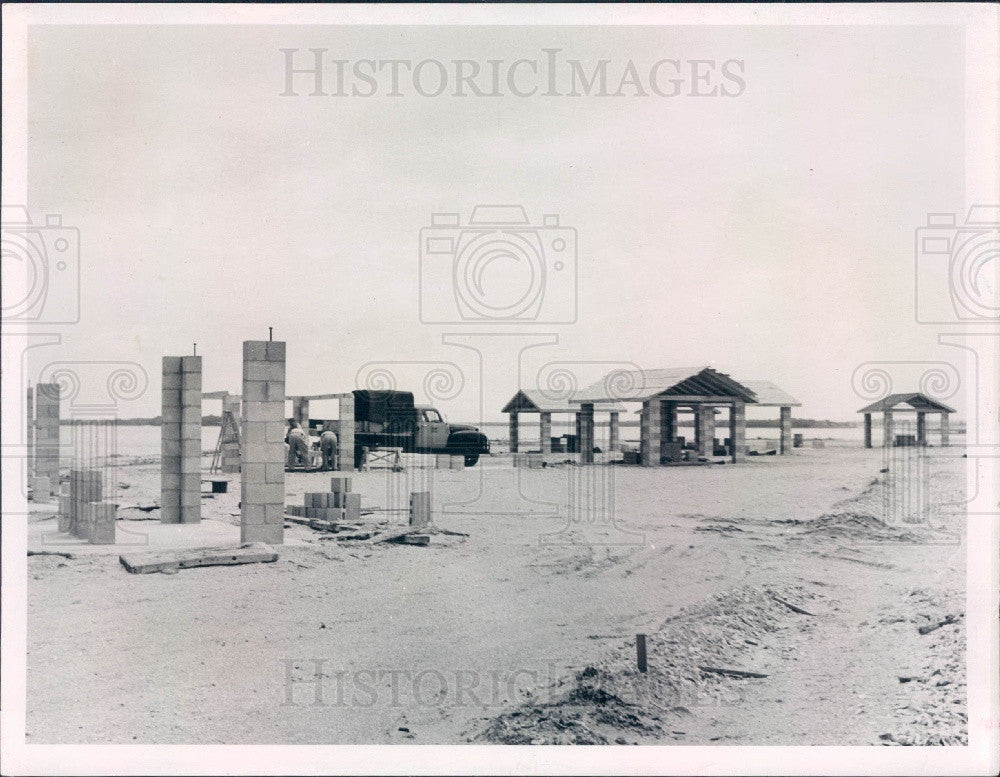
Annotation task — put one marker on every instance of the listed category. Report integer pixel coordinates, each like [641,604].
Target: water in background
[143,441]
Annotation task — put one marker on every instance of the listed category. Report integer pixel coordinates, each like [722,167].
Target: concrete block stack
[83,512]
[337,504]
[262,481]
[45,482]
[180,440]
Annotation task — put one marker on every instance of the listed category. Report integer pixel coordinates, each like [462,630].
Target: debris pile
[694,659]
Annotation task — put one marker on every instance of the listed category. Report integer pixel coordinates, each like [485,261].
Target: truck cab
[432,431]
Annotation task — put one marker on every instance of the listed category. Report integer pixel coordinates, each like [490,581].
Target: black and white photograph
[440,388]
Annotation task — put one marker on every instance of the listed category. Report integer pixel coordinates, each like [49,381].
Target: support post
[738,431]
[868,430]
[705,421]
[262,479]
[180,440]
[545,431]
[888,430]
[29,412]
[921,429]
[613,432]
[945,429]
[649,432]
[47,397]
[345,440]
[512,427]
[586,433]
[785,442]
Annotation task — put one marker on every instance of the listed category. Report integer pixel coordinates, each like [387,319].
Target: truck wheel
[471,459]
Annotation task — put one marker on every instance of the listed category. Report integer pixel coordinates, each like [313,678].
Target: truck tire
[471,459]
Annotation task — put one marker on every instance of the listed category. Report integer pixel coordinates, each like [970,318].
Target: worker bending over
[298,445]
[328,448]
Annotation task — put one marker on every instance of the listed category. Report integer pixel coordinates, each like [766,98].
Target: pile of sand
[611,700]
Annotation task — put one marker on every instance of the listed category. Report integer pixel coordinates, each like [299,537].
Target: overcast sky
[769,233]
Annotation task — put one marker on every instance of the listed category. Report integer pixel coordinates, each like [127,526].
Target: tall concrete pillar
[586,433]
[945,429]
[921,429]
[649,433]
[738,431]
[345,439]
[888,430]
[180,440]
[262,478]
[868,430]
[47,437]
[545,431]
[705,428]
[785,441]
[300,412]
[613,432]
[512,430]
[29,430]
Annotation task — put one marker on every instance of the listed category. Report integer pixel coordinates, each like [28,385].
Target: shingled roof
[769,394]
[916,400]
[640,385]
[538,401]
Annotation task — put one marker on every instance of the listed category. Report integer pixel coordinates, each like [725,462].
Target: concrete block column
[705,429]
[668,421]
[868,430]
[945,429]
[738,431]
[47,397]
[345,439]
[231,433]
[613,432]
[512,431]
[586,416]
[29,429]
[85,486]
[785,442]
[649,433]
[888,430]
[545,431]
[922,429]
[180,440]
[262,476]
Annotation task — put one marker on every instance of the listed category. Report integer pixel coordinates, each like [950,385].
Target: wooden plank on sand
[158,561]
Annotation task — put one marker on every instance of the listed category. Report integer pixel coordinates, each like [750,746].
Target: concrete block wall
[262,477]
[345,437]
[47,435]
[230,460]
[180,440]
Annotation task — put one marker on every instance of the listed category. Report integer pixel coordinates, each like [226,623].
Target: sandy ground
[523,631]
